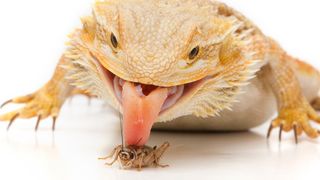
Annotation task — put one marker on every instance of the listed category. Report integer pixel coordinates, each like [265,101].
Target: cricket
[136,157]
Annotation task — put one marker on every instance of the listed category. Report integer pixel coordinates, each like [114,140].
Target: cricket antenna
[121,130]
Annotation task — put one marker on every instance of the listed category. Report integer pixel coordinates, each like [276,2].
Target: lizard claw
[280,131]
[38,122]
[296,119]
[41,104]
[53,127]
[12,120]
[54,119]
[21,99]
[269,131]
[5,103]
[295,131]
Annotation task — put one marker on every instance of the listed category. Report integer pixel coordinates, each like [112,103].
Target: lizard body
[182,65]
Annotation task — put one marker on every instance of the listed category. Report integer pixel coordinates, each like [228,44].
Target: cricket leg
[294,111]
[115,151]
[113,161]
[154,157]
[157,163]
[140,162]
[45,102]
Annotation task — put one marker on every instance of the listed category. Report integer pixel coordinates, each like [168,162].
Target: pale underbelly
[254,107]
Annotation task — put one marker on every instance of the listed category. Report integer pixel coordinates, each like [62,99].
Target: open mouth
[142,104]
[174,94]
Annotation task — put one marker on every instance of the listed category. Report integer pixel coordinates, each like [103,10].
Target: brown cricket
[131,157]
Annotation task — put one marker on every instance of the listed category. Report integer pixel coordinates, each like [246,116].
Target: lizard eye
[114,40]
[194,53]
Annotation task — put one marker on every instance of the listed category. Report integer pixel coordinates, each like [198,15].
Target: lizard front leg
[294,111]
[45,102]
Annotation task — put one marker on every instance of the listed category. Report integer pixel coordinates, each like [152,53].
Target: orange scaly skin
[221,58]
[294,109]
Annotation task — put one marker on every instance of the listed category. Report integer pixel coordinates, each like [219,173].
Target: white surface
[32,34]
[85,133]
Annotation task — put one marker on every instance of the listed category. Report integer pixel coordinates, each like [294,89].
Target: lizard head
[159,60]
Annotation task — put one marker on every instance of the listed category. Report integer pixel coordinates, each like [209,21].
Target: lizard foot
[41,104]
[296,119]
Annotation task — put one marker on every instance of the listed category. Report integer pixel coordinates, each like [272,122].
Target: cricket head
[157,60]
[127,157]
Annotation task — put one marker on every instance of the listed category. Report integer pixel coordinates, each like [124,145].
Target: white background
[32,36]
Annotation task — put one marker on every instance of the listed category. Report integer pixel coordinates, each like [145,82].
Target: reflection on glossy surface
[85,133]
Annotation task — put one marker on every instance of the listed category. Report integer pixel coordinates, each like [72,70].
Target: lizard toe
[40,104]
[296,120]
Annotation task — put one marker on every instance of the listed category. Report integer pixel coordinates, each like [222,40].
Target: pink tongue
[140,112]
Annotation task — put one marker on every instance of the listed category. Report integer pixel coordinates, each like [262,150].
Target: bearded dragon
[179,65]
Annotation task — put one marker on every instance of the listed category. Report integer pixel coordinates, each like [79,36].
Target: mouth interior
[143,90]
